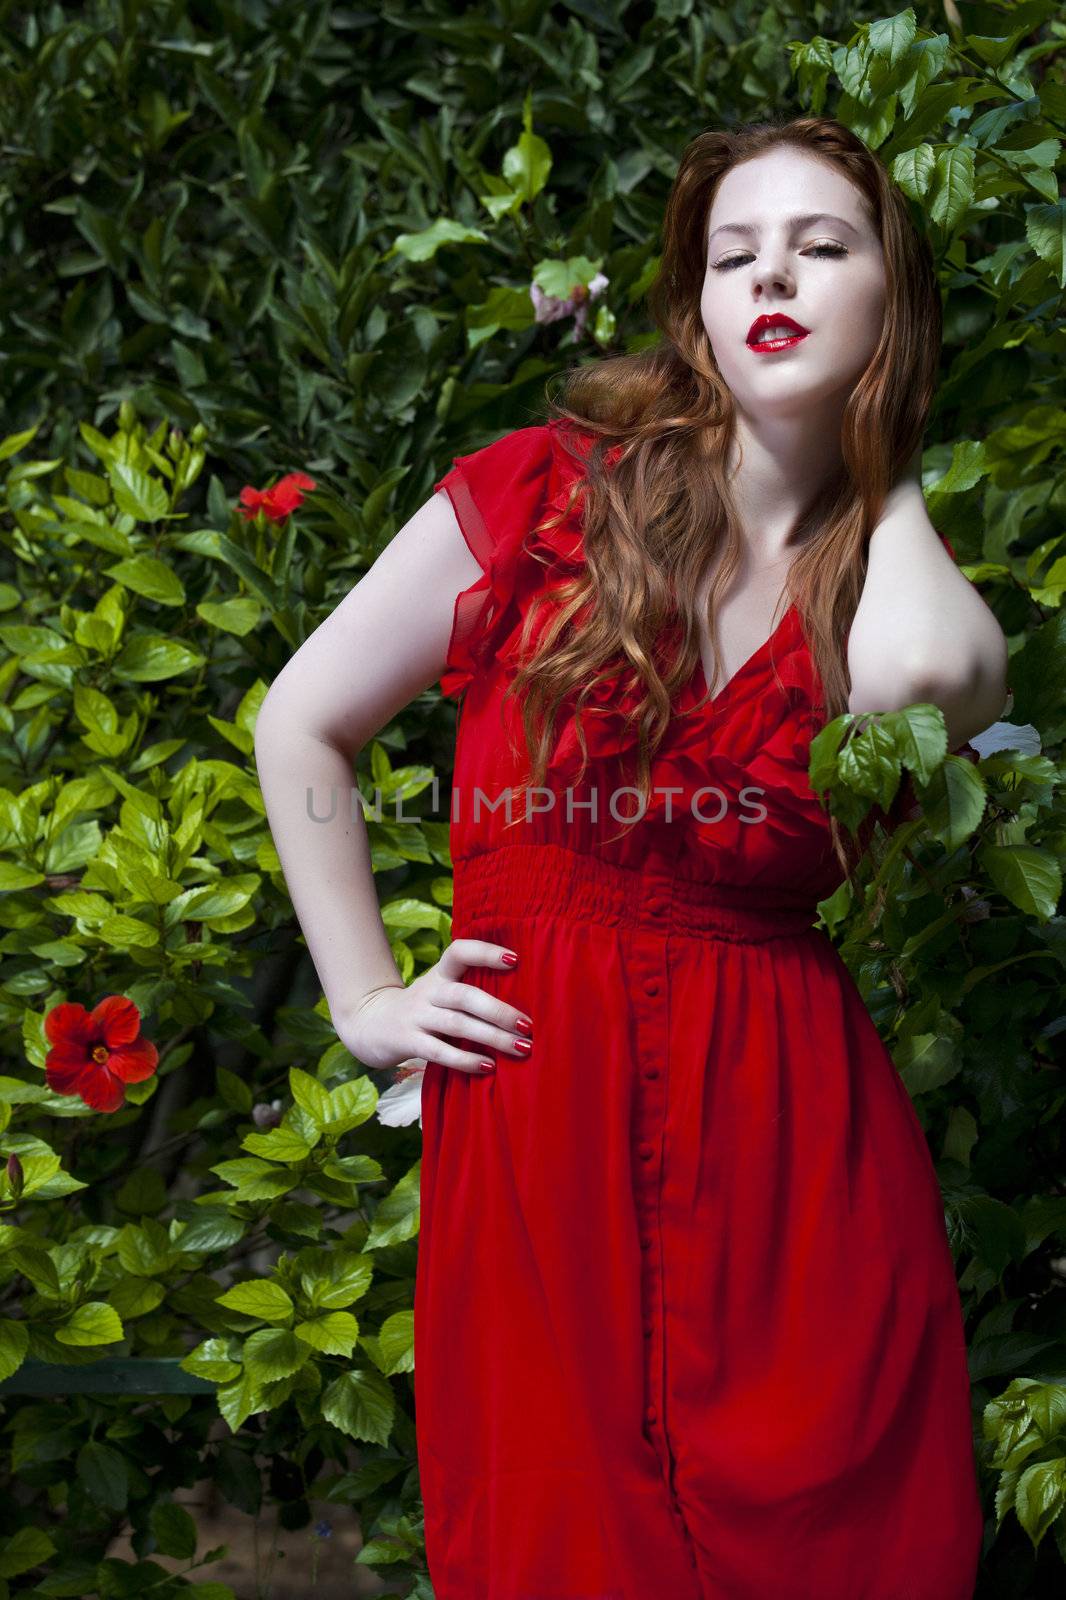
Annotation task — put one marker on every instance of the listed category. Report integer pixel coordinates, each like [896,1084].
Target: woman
[686,1320]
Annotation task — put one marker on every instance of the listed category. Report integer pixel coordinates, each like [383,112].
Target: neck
[777,467]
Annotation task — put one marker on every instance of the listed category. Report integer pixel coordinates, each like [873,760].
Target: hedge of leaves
[262,278]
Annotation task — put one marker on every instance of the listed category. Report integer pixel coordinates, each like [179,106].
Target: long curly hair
[654,521]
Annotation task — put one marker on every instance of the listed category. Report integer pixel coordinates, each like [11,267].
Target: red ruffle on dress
[686,1318]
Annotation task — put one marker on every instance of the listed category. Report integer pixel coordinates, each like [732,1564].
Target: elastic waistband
[545,879]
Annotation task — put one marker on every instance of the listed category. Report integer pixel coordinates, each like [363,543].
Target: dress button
[651,1072]
[651,1414]
[646,1151]
[652,986]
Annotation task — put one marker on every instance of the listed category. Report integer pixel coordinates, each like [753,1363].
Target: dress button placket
[653,918]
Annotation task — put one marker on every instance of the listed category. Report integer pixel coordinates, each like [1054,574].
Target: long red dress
[686,1319]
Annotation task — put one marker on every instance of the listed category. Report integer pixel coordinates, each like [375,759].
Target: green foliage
[324,241]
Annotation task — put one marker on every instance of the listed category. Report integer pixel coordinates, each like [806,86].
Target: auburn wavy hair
[656,518]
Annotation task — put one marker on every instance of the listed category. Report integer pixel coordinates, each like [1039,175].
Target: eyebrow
[801,221]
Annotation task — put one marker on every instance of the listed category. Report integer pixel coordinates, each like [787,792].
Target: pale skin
[381,647]
[921,631]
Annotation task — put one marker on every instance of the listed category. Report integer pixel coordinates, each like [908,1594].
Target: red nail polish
[523,1025]
[486,1066]
[509,959]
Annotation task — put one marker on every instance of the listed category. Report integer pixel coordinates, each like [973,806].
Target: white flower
[1022,737]
[401,1104]
[551,308]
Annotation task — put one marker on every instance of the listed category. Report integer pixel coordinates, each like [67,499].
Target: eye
[826,250]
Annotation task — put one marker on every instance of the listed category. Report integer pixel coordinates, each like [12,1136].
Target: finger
[466,1025]
[454,995]
[450,1055]
[463,953]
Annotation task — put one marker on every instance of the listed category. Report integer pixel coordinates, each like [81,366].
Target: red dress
[686,1318]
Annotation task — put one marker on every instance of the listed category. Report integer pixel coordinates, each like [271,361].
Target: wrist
[351,1004]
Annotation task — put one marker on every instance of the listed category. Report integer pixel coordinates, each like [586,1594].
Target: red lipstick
[776,320]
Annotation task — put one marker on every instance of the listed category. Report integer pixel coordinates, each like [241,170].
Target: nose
[772,269]
[772,273]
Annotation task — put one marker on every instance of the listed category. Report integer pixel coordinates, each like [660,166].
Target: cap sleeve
[498,494]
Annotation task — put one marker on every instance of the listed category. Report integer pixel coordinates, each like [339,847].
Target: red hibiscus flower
[279,501]
[96,1053]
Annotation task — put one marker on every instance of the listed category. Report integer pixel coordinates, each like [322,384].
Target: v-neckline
[699,676]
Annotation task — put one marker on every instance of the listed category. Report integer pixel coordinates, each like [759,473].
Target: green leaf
[239,1400]
[102,1474]
[12,876]
[1005,1491]
[212,1229]
[953,185]
[93,1323]
[396,1217]
[27,1548]
[11,444]
[211,1360]
[361,1404]
[335,1278]
[969,464]
[258,1297]
[22,639]
[953,802]
[334,1334]
[232,1090]
[396,1342]
[89,485]
[811,62]
[260,582]
[914,169]
[150,577]
[274,1353]
[14,1342]
[135,1297]
[1045,229]
[421,247]
[278,1144]
[239,616]
[128,933]
[137,494]
[94,710]
[526,166]
[211,900]
[174,1530]
[993,1230]
[891,37]
[351,1104]
[149,658]
[313,1096]
[1028,877]
[1040,1496]
[925,1061]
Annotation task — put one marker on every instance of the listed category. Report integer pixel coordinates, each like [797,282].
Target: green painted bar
[120,1375]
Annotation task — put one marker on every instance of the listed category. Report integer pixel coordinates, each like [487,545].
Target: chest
[746,620]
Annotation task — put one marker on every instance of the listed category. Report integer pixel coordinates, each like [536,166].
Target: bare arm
[385,643]
[921,631]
